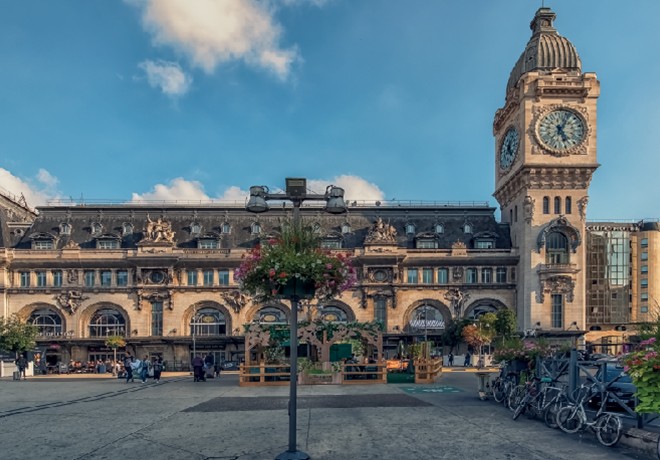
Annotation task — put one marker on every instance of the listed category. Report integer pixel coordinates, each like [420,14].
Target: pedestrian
[158,368]
[22,364]
[128,367]
[450,358]
[467,359]
[209,364]
[198,368]
[144,369]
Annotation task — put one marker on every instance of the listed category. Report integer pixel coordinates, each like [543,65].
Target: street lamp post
[296,193]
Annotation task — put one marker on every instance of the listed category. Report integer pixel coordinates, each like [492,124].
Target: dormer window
[97,228]
[256,228]
[484,244]
[108,241]
[331,243]
[226,228]
[195,228]
[345,228]
[439,229]
[42,244]
[207,243]
[410,229]
[426,243]
[467,228]
[42,241]
[126,228]
[316,228]
[65,228]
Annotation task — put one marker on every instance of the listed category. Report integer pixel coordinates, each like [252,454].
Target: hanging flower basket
[294,265]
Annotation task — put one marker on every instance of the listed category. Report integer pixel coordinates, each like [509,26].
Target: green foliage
[505,323]
[17,335]
[294,255]
[115,341]
[643,365]
[453,334]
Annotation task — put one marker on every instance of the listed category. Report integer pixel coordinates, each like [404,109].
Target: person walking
[209,364]
[450,359]
[22,364]
[144,368]
[466,363]
[198,368]
[158,368]
[128,367]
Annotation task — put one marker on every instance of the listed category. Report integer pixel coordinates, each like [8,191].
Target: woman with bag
[144,369]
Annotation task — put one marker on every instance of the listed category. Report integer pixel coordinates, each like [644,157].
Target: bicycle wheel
[550,414]
[608,429]
[532,409]
[498,391]
[517,394]
[520,408]
[568,419]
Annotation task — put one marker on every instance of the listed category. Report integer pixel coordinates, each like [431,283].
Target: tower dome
[546,50]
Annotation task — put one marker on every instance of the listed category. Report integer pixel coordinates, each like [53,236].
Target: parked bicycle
[573,417]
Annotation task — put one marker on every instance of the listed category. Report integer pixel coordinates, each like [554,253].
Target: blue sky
[173,99]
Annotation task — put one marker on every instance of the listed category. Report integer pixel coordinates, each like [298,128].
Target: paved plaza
[105,418]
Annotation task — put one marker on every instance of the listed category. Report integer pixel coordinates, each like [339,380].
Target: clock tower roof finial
[545,50]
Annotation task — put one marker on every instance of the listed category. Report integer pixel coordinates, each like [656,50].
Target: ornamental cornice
[544,178]
[502,115]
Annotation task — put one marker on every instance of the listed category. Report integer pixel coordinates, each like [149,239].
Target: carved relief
[158,231]
[71,245]
[457,299]
[457,274]
[557,285]
[528,208]
[582,207]
[381,232]
[380,275]
[458,248]
[235,299]
[70,300]
[72,276]
[165,297]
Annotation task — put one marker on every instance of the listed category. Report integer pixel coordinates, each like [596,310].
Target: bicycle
[539,396]
[573,418]
[502,386]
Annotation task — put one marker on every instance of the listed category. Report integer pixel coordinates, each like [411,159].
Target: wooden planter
[319,379]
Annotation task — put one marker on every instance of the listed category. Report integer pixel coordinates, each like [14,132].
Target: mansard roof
[361,218]
[546,50]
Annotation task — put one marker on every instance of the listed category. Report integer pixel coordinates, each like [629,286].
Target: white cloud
[180,189]
[355,188]
[36,191]
[168,76]
[213,32]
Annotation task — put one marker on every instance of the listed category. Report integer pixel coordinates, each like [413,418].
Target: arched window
[481,309]
[439,229]
[515,214]
[105,322]
[410,229]
[345,228]
[208,321]
[511,215]
[48,322]
[568,205]
[97,228]
[467,228]
[127,228]
[195,228]
[426,318]
[256,228]
[226,228]
[270,315]
[333,314]
[546,205]
[557,248]
[65,228]
[316,228]
[557,205]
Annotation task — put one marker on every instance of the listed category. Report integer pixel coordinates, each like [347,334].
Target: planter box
[320,379]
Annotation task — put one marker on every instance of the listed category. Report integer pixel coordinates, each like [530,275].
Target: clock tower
[545,155]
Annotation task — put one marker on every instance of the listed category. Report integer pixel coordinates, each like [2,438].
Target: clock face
[509,148]
[561,130]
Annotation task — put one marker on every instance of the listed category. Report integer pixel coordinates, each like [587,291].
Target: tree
[114,342]
[505,323]
[17,335]
[480,333]
[453,335]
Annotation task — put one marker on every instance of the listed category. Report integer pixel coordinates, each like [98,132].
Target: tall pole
[293,453]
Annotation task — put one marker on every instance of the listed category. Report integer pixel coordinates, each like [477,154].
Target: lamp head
[257,202]
[335,200]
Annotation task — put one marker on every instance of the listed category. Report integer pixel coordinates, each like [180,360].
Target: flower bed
[643,366]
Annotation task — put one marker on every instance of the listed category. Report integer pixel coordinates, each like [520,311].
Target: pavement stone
[104,418]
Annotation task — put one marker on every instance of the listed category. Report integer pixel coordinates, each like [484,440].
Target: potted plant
[643,365]
[114,342]
[293,264]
